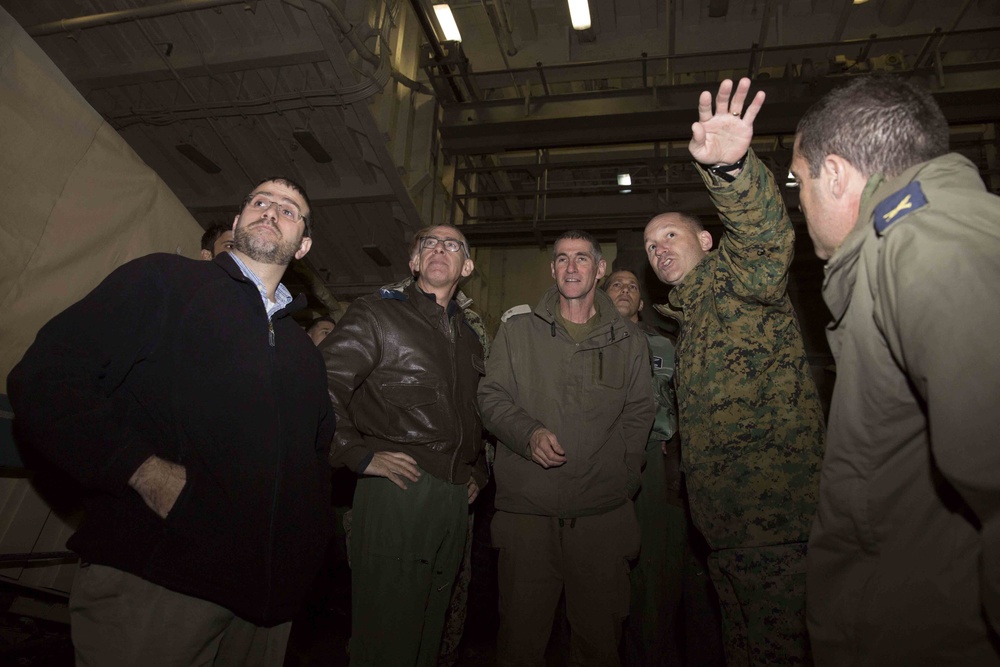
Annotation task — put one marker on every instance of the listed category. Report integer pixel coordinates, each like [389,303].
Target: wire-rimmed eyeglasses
[261,203]
[451,245]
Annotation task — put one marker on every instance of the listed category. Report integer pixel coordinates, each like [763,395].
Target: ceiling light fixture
[447,21]
[579,14]
[625,179]
[311,145]
[791,181]
[199,158]
[860,2]
[376,255]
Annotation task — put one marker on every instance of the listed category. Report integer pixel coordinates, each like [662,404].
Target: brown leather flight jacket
[403,376]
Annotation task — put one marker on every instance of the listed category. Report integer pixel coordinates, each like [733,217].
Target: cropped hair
[212,235]
[306,219]
[579,234]
[879,123]
[321,318]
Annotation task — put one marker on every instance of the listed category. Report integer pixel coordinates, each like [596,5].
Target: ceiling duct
[895,12]
[718,8]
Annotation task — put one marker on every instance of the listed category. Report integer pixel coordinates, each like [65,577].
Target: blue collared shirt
[282,296]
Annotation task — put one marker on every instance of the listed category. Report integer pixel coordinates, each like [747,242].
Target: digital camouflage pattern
[751,421]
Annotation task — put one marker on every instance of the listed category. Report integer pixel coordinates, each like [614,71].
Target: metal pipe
[541,75]
[125,15]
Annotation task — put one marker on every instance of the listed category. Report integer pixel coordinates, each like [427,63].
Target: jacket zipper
[268,559]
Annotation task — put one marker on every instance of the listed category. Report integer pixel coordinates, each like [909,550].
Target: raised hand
[723,137]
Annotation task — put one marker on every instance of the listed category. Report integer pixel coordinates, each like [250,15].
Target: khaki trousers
[119,619]
[543,557]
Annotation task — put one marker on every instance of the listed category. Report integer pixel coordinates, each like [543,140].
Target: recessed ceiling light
[447,21]
[579,14]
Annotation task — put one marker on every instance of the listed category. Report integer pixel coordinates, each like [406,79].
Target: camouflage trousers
[762,594]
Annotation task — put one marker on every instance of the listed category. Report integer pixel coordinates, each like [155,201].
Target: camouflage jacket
[750,416]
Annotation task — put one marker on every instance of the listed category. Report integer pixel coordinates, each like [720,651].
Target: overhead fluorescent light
[199,158]
[311,144]
[860,2]
[447,21]
[791,181]
[625,179]
[376,255]
[579,14]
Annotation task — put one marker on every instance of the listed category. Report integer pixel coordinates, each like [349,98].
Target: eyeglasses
[451,245]
[287,211]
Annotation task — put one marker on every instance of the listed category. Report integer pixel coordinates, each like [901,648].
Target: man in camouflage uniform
[750,418]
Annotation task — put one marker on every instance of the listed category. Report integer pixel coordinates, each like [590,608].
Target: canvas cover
[77,202]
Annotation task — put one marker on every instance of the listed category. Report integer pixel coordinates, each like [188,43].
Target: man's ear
[641,304]
[304,247]
[415,265]
[705,240]
[206,254]
[236,219]
[837,174]
[467,267]
[552,265]
[602,268]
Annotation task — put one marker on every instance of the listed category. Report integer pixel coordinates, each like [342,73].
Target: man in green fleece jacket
[568,393]
[750,419]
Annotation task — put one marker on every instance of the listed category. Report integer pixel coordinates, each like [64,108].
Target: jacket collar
[228,264]
[610,322]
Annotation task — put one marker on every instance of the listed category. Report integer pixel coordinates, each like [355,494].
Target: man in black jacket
[403,367]
[193,411]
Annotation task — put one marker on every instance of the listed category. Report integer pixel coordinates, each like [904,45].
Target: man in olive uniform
[657,576]
[750,418]
[904,557]
[567,392]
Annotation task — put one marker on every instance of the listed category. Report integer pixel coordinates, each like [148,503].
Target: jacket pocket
[409,395]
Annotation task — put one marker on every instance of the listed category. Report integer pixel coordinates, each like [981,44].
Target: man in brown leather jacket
[403,368]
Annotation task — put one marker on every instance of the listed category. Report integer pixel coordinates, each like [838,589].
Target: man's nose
[271,210]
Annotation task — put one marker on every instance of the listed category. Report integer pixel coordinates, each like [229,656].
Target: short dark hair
[426,231]
[306,219]
[881,124]
[321,318]
[578,234]
[607,280]
[212,235]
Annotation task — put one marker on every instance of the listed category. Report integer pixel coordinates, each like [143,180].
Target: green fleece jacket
[595,396]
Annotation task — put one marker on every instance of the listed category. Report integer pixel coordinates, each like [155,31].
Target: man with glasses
[403,367]
[192,409]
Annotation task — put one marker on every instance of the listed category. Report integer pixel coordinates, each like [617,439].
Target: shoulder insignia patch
[388,293]
[898,205]
[523,309]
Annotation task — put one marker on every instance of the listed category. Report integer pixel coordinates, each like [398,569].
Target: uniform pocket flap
[409,395]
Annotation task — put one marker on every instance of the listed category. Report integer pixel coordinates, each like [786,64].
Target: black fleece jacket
[175,357]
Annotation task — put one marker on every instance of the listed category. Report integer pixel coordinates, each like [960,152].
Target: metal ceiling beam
[636,117]
[127,15]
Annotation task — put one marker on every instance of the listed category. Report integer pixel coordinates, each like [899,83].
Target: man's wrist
[728,172]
